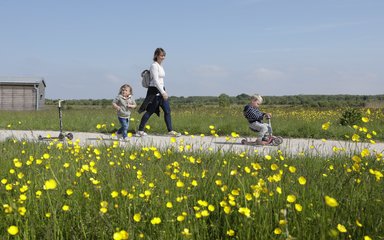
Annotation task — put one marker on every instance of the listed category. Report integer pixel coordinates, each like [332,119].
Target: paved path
[209,143]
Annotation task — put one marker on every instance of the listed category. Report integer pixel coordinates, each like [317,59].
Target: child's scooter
[62,135]
[269,138]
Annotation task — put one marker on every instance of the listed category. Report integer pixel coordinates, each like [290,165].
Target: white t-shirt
[157,76]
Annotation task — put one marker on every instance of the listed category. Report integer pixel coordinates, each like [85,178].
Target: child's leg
[261,130]
[124,126]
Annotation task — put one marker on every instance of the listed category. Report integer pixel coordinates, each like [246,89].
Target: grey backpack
[145,78]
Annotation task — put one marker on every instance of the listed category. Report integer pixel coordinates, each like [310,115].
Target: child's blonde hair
[257,97]
[124,87]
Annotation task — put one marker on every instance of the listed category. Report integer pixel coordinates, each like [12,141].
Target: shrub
[350,116]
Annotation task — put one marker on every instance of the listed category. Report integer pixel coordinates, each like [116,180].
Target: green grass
[181,194]
[213,191]
[287,122]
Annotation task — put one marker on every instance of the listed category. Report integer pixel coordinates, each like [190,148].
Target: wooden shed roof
[26,81]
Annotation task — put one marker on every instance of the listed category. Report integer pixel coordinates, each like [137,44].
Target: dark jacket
[151,101]
[253,114]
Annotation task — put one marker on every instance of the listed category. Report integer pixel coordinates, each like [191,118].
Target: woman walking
[156,97]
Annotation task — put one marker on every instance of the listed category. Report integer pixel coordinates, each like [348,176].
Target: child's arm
[115,106]
[133,104]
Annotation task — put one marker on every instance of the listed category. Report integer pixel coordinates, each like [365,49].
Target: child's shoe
[118,135]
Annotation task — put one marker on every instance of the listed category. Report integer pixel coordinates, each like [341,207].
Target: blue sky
[88,49]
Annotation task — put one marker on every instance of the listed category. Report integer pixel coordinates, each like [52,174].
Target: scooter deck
[61,137]
[274,142]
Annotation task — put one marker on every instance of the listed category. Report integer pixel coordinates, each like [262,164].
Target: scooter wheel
[277,141]
[40,137]
[69,136]
[61,137]
[244,141]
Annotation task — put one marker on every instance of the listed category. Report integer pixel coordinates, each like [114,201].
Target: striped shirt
[253,114]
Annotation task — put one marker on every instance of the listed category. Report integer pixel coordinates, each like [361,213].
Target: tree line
[224,100]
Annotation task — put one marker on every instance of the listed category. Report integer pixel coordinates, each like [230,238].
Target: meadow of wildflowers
[294,122]
[65,190]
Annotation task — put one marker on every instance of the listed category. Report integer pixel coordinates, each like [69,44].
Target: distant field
[294,122]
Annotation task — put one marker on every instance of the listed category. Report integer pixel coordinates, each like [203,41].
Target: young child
[255,118]
[124,103]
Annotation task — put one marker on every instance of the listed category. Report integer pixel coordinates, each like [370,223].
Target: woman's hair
[124,87]
[257,97]
[158,51]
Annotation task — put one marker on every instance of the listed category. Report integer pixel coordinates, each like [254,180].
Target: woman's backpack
[145,78]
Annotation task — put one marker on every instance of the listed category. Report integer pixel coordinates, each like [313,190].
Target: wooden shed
[22,93]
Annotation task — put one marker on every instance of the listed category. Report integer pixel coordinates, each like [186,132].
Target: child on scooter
[255,119]
[124,103]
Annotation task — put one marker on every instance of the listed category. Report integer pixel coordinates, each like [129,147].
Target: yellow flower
[69,192]
[274,167]
[186,232]
[365,119]
[364,152]
[325,126]
[179,184]
[114,194]
[211,208]
[341,228]
[366,237]
[121,235]
[292,169]
[65,208]
[331,201]
[245,211]
[277,231]
[298,207]
[98,126]
[50,184]
[180,218]
[156,220]
[227,209]
[302,180]
[291,198]
[231,232]
[97,152]
[103,210]
[355,138]
[157,154]
[22,210]
[234,135]
[137,217]
[358,223]
[169,205]
[267,157]
[13,230]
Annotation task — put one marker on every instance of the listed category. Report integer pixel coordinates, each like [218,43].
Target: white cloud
[210,71]
[266,75]
[113,78]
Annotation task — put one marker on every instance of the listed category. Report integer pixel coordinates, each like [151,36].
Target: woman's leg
[167,114]
[144,120]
